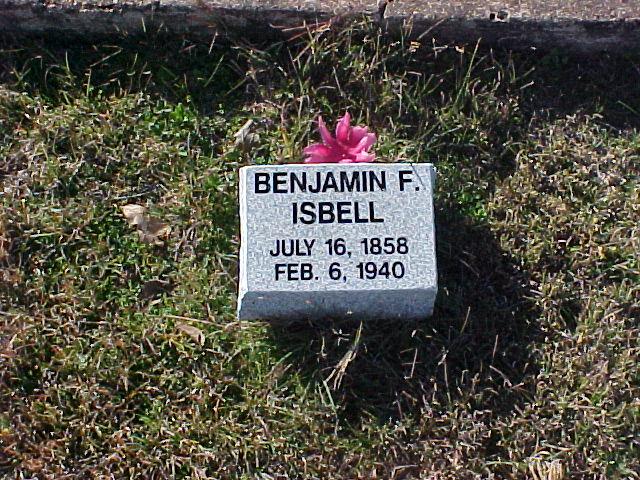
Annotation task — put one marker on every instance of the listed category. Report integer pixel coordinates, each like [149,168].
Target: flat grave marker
[337,241]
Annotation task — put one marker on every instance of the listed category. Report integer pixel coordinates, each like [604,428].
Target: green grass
[120,358]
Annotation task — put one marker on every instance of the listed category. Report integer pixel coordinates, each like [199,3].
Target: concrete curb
[612,26]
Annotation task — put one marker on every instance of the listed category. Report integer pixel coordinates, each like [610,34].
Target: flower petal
[324,133]
[357,133]
[316,148]
[319,153]
[365,157]
[364,144]
[315,159]
[343,128]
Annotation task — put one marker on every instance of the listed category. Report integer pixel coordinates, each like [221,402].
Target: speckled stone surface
[337,241]
[582,26]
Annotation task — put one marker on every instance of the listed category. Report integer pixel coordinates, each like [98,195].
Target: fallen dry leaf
[195,333]
[133,213]
[150,229]
[246,139]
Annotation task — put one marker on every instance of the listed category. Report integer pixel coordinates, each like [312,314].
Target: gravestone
[337,241]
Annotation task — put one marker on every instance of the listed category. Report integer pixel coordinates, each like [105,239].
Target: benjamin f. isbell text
[325,212]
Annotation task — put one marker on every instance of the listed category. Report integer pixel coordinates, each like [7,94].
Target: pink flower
[351,144]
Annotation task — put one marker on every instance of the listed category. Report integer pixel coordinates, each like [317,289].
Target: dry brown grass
[123,359]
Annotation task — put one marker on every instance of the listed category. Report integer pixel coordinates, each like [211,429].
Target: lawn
[120,354]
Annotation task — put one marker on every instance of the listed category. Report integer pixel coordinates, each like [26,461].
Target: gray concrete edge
[202,21]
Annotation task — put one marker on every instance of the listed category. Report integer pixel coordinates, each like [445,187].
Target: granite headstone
[337,241]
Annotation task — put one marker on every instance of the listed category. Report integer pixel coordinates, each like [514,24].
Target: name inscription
[324,212]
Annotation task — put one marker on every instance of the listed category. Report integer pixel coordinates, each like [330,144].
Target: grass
[124,359]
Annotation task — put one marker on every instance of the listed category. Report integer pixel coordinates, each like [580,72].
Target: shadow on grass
[176,70]
[473,351]
[603,84]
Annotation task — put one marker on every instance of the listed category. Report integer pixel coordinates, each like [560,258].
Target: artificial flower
[350,145]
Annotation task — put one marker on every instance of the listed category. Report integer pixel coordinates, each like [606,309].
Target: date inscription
[286,251]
